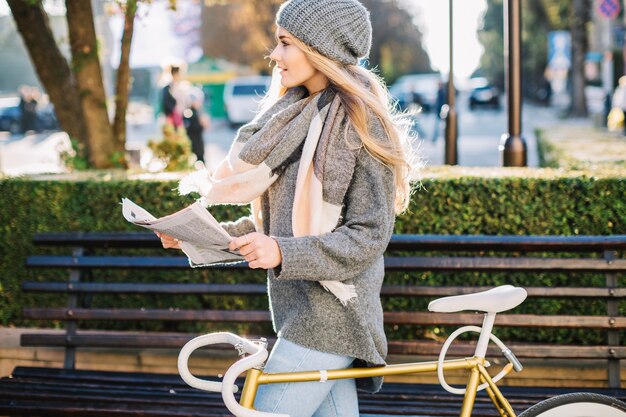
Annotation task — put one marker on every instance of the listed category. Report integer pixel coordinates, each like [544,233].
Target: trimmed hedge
[462,201]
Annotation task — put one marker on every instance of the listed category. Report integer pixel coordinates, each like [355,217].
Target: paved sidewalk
[479,137]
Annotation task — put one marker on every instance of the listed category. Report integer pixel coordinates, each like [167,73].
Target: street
[479,137]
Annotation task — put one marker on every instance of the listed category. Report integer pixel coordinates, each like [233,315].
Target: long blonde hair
[362,93]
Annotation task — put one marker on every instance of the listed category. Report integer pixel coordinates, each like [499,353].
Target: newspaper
[201,237]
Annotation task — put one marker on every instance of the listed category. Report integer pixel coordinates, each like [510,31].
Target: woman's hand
[168,242]
[259,250]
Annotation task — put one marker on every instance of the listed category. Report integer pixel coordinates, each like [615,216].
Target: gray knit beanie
[338,29]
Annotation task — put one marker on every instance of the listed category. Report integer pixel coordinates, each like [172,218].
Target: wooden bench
[67,391]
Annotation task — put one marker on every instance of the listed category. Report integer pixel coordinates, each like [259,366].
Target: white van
[242,96]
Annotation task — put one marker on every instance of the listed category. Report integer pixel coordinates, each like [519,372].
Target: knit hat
[338,29]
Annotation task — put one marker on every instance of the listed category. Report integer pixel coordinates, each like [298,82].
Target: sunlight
[432,18]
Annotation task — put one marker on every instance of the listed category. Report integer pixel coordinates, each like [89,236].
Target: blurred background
[82,87]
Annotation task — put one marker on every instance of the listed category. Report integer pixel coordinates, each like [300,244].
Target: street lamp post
[451,154]
[512,145]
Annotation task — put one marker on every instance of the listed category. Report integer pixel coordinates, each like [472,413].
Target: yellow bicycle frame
[475,365]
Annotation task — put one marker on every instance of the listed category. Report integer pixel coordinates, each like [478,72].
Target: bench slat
[508,320]
[261,289]
[522,350]
[144,288]
[396,347]
[398,242]
[408,263]
[450,263]
[76,408]
[254,316]
[507,243]
[149,379]
[58,391]
[119,262]
[262,316]
[533,292]
[99,239]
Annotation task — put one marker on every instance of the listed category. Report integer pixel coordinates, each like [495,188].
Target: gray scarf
[313,130]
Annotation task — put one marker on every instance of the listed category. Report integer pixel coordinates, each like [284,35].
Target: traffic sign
[609,8]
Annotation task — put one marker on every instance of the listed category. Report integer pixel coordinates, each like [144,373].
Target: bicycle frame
[475,366]
[254,354]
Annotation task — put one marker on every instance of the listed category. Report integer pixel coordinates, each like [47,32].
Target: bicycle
[496,300]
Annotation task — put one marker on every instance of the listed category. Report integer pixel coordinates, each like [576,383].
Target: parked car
[242,96]
[11,116]
[484,94]
[419,89]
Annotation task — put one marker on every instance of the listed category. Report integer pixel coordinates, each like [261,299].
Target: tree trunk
[86,69]
[579,20]
[123,76]
[51,66]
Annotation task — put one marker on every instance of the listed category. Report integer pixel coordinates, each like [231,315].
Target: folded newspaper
[201,237]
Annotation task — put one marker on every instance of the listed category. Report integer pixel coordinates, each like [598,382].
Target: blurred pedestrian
[619,100]
[440,101]
[174,96]
[196,121]
[417,101]
[28,108]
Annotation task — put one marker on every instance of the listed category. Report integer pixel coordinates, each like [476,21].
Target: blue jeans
[336,398]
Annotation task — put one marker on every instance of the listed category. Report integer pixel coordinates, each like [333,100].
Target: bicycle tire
[578,404]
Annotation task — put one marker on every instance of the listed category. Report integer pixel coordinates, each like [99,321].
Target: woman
[325,168]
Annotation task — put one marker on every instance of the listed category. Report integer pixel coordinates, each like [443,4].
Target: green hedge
[458,201]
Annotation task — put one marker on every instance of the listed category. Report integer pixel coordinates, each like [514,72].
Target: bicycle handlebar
[258,355]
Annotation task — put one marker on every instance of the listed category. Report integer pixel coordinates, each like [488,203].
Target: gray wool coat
[302,311]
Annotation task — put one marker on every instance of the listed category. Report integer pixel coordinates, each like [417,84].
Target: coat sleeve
[361,238]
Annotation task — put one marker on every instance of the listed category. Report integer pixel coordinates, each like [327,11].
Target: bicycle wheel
[578,404]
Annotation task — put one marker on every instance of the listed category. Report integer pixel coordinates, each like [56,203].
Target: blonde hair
[362,93]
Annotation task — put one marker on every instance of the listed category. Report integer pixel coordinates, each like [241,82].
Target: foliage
[173,149]
[457,201]
[397,47]
[76,157]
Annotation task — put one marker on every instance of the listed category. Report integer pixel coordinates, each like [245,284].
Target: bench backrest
[408,256]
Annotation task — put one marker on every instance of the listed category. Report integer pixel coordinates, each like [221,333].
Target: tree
[579,19]
[122,84]
[492,38]
[52,68]
[90,87]
[397,45]
[76,89]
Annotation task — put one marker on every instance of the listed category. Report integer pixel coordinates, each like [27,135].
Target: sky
[432,18]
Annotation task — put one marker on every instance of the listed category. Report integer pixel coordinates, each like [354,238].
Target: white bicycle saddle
[495,300]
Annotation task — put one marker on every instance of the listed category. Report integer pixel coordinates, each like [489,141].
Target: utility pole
[512,145]
[451,153]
